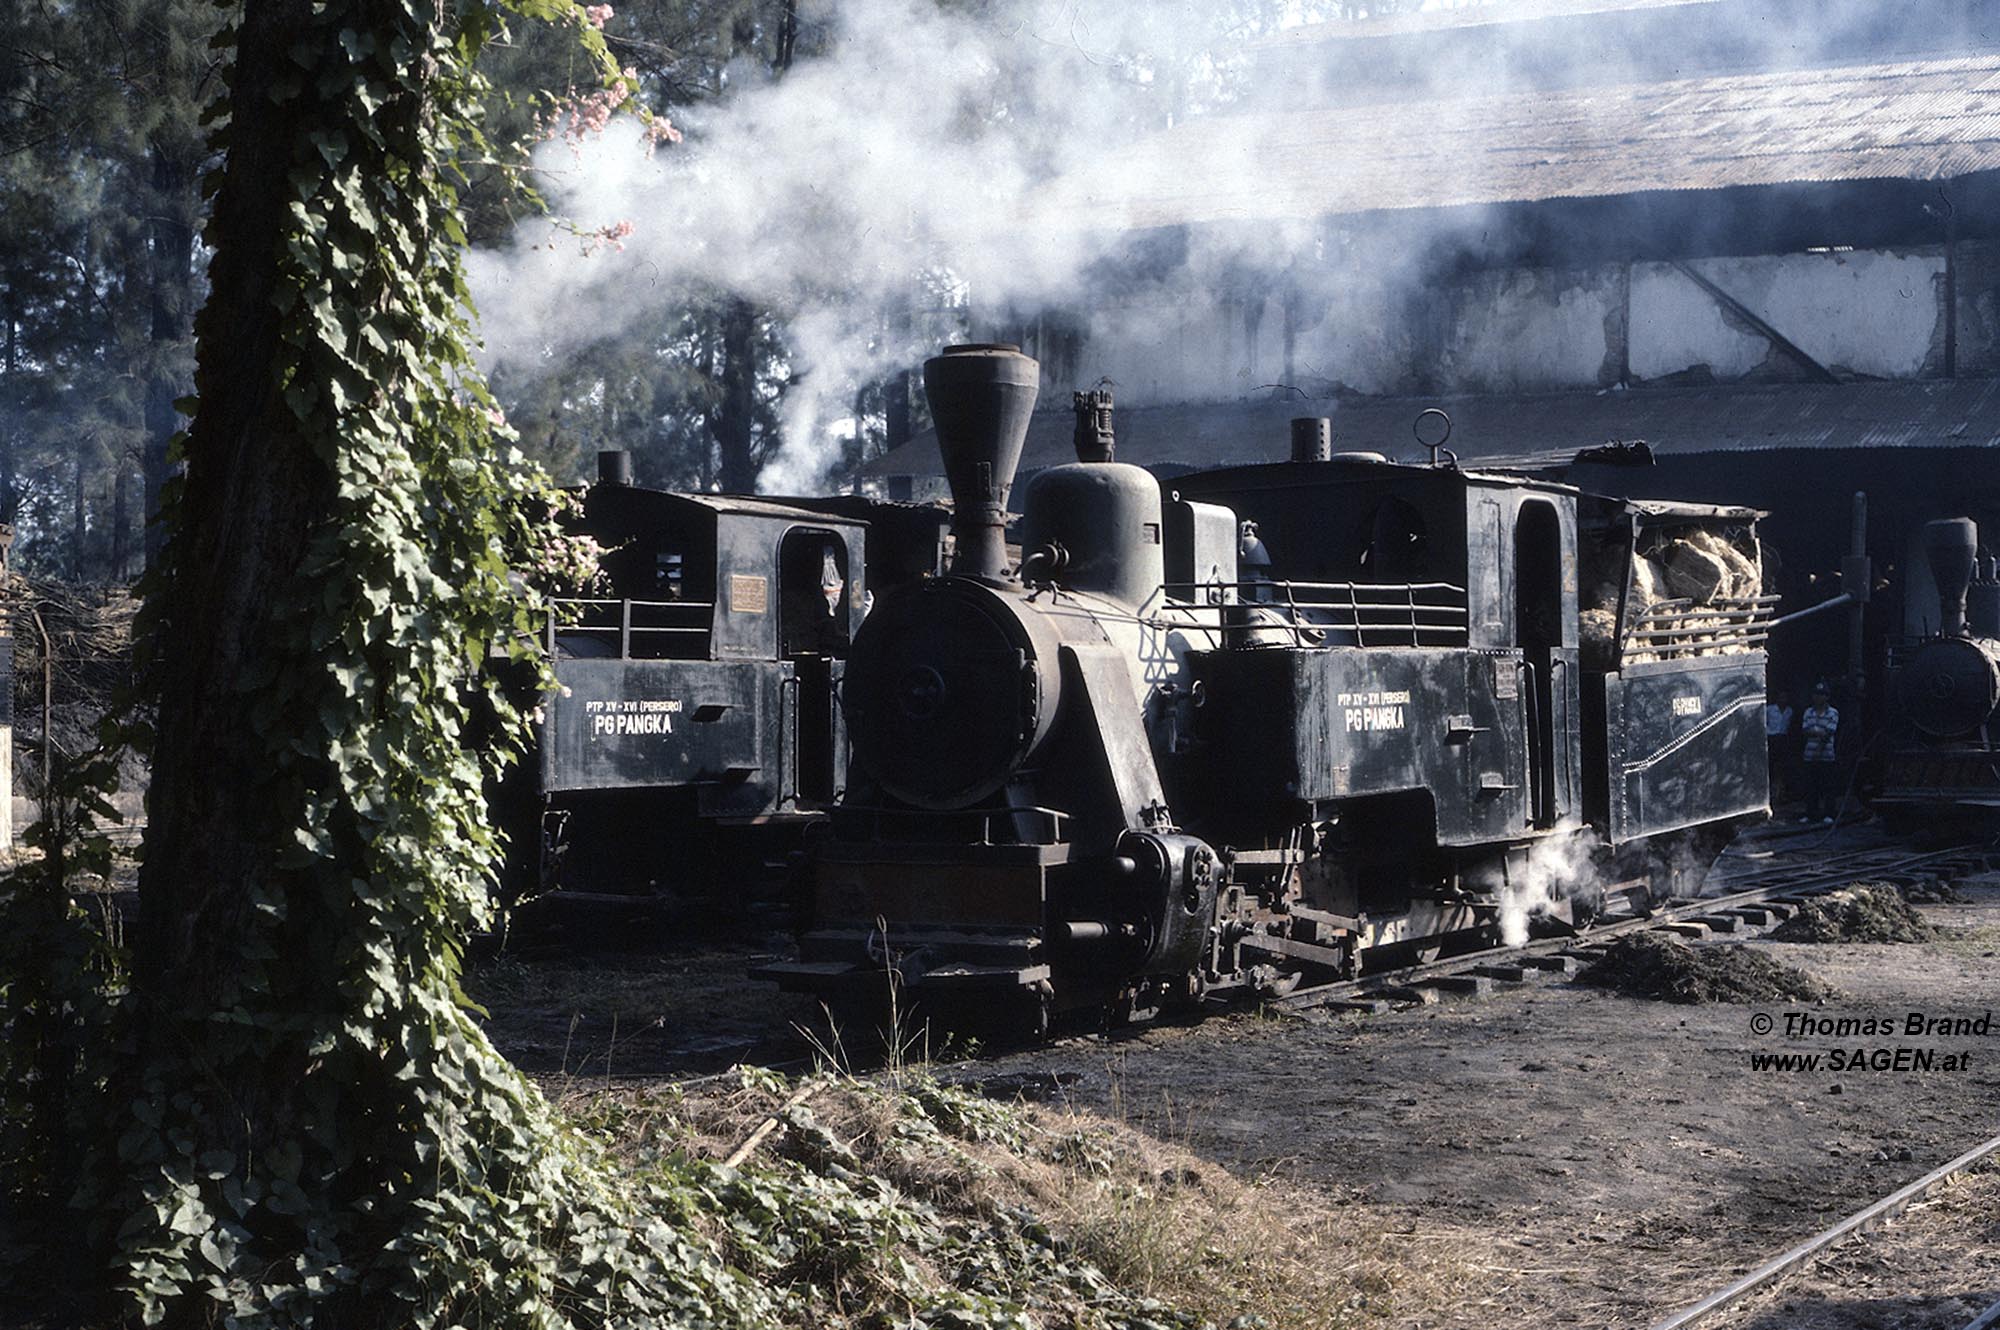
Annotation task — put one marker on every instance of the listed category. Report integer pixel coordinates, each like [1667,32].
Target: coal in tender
[1864,912]
[1662,967]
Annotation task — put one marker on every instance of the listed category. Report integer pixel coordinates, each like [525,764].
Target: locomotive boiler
[1943,750]
[1280,722]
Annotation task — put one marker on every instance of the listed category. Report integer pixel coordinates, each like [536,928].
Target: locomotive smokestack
[614,467]
[1952,546]
[1312,439]
[980,398]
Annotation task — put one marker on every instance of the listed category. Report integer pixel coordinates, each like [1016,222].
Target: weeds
[909,1201]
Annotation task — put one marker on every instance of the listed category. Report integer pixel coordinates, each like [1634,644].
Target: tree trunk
[171,283]
[121,521]
[253,491]
[79,525]
[9,471]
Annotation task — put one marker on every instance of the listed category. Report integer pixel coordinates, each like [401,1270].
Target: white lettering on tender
[1362,713]
[632,716]
[1687,706]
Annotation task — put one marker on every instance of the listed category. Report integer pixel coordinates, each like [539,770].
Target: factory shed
[1914,120]
[1532,430]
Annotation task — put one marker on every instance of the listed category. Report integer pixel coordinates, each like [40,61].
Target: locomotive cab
[695,690]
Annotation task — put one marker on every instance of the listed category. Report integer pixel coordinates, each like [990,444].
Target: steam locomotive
[1282,722]
[694,731]
[1943,738]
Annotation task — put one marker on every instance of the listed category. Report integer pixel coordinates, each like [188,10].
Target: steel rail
[1834,875]
[1986,1320]
[1888,859]
[1859,1222]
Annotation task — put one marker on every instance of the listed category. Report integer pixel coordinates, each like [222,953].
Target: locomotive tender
[1943,753]
[1290,720]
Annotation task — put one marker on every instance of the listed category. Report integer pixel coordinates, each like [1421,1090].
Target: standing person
[1778,743]
[1820,728]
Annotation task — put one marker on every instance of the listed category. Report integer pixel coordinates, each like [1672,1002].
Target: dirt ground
[1626,1149]
[1570,1156]
[1911,1275]
[643,1014]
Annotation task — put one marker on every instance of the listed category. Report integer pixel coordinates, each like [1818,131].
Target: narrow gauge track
[1776,891]
[1861,1221]
[1775,895]
[1782,862]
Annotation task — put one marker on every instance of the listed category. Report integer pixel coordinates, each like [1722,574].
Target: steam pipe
[1857,549]
[614,467]
[1842,599]
[1312,439]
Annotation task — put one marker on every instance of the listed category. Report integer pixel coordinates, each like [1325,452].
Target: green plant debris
[1662,967]
[1864,912]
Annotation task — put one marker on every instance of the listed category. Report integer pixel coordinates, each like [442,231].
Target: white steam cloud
[1557,869]
[910,157]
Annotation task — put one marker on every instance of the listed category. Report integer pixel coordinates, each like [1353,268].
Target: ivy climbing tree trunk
[242,523]
[318,1129]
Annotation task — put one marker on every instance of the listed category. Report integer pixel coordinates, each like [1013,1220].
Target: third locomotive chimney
[981,396]
[1952,546]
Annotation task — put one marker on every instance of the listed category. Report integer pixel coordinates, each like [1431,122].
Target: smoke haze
[917,156]
[906,158]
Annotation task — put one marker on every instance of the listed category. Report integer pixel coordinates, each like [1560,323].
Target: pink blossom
[613,235]
[660,130]
[584,116]
[596,15]
[496,417]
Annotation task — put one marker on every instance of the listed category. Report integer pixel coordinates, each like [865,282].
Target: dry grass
[1159,1222]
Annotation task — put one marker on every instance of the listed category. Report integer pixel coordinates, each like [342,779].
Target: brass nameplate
[749,595]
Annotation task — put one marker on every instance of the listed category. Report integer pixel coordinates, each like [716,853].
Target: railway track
[1757,899]
[1861,1221]
[1752,901]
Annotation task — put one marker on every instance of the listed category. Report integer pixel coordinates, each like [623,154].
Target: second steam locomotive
[1282,722]
[1943,741]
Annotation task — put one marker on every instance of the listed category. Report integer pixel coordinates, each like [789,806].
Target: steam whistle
[1094,438]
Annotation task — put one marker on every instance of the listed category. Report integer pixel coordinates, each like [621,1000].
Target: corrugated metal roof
[1534,429]
[1917,119]
[1439,20]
